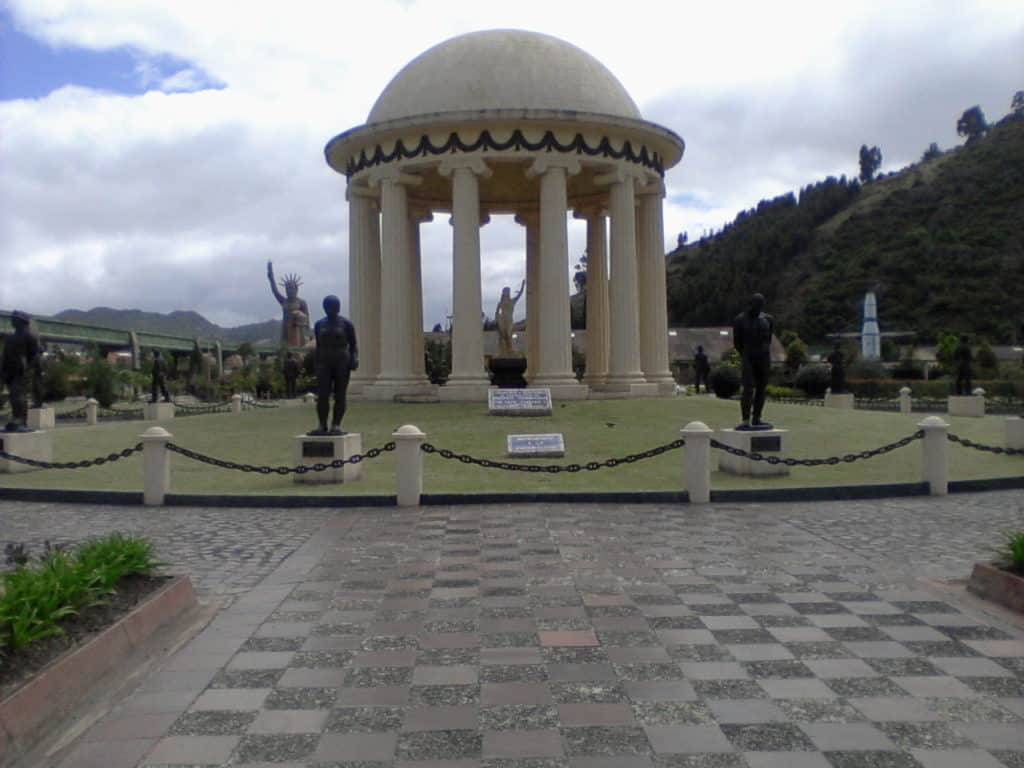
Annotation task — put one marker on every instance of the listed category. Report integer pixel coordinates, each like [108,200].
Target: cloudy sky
[155,155]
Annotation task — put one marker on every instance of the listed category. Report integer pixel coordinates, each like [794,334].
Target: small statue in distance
[291,375]
[752,338]
[503,319]
[963,358]
[158,383]
[21,359]
[294,311]
[701,369]
[337,355]
[838,373]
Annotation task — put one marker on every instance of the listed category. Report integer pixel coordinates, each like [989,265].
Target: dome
[503,69]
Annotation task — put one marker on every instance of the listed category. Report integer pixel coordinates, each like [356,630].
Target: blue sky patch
[31,69]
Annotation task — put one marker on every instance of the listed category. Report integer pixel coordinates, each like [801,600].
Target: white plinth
[158,411]
[1015,432]
[323,449]
[28,445]
[42,418]
[843,401]
[966,405]
[765,441]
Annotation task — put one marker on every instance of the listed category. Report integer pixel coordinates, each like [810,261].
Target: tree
[1017,105]
[245,351]
[972,124]
[870,161]
[932,152]
[580,277]
[796,354]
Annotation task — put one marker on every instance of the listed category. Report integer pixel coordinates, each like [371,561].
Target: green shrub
[100,382]
[866,369]
[725,381]
[773,390]
[814,380]
[1011,553]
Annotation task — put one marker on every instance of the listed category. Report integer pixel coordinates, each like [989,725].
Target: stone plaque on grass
[533,401]
[536,446]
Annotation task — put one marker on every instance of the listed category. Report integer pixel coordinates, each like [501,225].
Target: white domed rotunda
[508,121]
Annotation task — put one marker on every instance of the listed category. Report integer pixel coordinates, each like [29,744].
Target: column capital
[652,187]
[471,163]
[540,166]
[619,175]
[485,219]
[418,214]
[360,191]
[394,175]
[528,218]
[588,212]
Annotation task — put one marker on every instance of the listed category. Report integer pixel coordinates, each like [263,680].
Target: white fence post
[156,465]
[408,445]
[906,405]
[1015,433]
[236,403]
[934,450]
[697,461]
[92,415]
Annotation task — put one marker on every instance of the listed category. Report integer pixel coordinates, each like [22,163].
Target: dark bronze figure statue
[963,358]
[159,385]
[294,311]
[291,375]
[337,355]
[752,337]
[701,369]
[20,369]
[838,369]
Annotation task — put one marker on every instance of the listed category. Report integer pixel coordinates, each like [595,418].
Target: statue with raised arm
[294,312]
[21,371]
[503,319]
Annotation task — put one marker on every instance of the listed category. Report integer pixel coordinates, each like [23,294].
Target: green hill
[178,323]
[942,243]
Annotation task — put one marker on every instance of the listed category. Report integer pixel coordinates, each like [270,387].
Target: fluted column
[531,221]
[654,359]
[397,345]
[596,296]
[417,217]
[554,364]
[624,332]
[468,372]
[364,299]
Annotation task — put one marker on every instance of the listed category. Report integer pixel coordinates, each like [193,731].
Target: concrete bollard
[309,398]
[697,461]
[934,450]
[906,404]
[1015,433]
[408,441]
[92,412]
[236,403]
[978,392]
[156,465]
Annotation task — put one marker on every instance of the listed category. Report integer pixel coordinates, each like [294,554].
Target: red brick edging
[58,689]
[999,586]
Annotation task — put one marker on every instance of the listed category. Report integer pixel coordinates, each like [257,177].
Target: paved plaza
[545,636]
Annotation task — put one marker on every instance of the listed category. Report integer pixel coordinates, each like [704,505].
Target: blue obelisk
[870,336]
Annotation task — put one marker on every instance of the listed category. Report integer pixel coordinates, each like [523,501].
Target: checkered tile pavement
[596,636]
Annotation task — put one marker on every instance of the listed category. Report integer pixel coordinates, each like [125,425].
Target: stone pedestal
[323,449]
[1015,433]
[842,400]
[158,411]
[568,391]
[42,418]
[966,405]
[507,372]
[27,445]
[764,441]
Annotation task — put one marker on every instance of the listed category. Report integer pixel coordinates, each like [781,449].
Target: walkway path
[533,636]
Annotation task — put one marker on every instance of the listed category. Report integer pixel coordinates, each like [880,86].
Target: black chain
[77,413]
[256,404]
[120,413]
[590,466]
[987,448]
[84,463]
[796,401]
[201,410]
[831,461]
[301,469]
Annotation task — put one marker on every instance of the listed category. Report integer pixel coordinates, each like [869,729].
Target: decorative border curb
[41,703]
[999,586]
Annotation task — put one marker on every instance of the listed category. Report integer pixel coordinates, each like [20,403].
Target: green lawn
[594,430]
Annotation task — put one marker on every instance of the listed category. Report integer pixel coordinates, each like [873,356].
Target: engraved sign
[533,401]
[766,444]
[316,449]
[536,445]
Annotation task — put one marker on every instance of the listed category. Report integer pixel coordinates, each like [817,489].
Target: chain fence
[590,466]
[796,401]
[201,410]
[257,404]
[83,464]
[831,461]
[122,414]
[77,413]
[967,443]
[300,469]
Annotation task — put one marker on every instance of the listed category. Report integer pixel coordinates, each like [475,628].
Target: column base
[597,381]
[158,411]
[567,391]
[966,405]
[1015,432]
[464,391]
[42,418]
[665,381]
[765,441]
[323,449]
[28,445]
[843,401]
[390,390]
[624,382]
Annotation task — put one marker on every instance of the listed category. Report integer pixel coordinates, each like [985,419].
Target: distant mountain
[178,323]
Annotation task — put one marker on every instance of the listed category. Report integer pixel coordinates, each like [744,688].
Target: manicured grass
[594,430]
